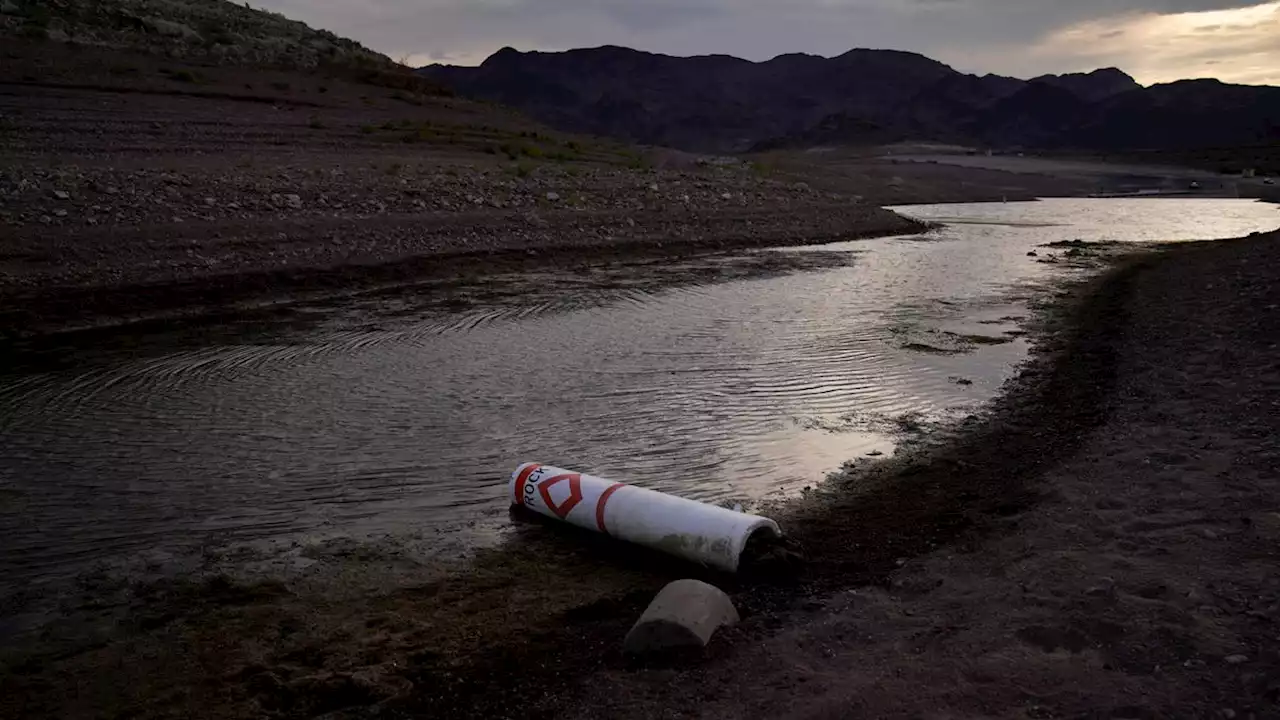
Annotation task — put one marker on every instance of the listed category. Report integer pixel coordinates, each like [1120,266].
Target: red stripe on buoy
[604,498]
[575,494]
[522,479]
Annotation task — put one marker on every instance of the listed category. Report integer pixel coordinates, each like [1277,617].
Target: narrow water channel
[722,378]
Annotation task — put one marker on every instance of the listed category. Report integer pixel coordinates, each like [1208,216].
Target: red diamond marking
[575,494]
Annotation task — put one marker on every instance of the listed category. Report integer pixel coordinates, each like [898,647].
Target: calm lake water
[723,378]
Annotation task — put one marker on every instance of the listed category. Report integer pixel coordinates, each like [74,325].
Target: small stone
[684,616]
[62,194]
[293,201]
[1228,713]
[726,196]
[1106,589]
[60,213]
[553,196]
[91,221]
[1236,659]
[210,202]
[46,219]
[1209,534]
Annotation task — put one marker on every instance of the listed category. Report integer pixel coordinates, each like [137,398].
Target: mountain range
[718,103]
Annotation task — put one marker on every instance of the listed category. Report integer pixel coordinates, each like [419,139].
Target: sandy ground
[890,179]
[921,173]
[1105,176]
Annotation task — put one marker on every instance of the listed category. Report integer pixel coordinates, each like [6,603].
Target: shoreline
[563,240]
[589,592]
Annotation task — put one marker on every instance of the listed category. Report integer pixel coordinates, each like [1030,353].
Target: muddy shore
[1102,543]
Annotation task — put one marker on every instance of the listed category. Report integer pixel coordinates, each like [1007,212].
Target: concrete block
[683,616]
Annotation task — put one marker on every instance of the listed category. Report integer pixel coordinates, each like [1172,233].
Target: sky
[1153,40]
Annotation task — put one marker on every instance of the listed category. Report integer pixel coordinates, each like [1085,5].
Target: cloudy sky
[1153,40]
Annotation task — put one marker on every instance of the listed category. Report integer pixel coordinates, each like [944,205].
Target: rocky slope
[720,103]
[211,30]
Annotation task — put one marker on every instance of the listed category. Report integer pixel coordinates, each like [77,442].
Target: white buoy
[702,533]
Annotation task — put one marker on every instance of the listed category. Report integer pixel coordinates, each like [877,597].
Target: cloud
[1014,37]
[1235,45]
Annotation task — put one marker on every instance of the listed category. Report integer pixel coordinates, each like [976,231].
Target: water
[725,378]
